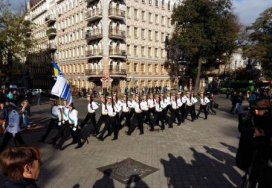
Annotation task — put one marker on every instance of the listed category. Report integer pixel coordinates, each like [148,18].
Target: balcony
[93,72]
[115,53]
[118,72]
[117,14]
[97,53]
[93,14]
[93,34]
[50,18]
[51,32]
[117,34]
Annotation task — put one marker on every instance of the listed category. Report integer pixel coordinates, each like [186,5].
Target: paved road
[198,154]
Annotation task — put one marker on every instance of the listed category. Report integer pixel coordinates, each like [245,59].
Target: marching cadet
[117,103]
[175,104]
[132,110]
[55,118]
[144,105]
[139,116]
[151,104]
[125,106]
[194,102]
[92,107]
[203,105]
[104,119]
[159,106]
[73,128]
[189,106]
[168,101]
[164,110]
[182,109]
[112,111]
[13,127]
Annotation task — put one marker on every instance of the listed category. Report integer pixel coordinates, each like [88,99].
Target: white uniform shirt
[13,122]
[133,102]
[104,110]
[93,108]
[189,101]
[55,113]
[179,101]
[144,105]
[184,99]
[125,106]
[168,100]
[158,107]
[112,112]
[204,101]
[65,111]
[73,117]
[194,99]
[176,104]
[137,107]
[151,103]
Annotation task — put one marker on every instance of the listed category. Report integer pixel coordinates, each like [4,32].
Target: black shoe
[162,128]
[42,140]
[151,129]
[114,138]
[128,133]
[170,126]
[58,147]
[141,133]
[78,146]
[109,134]
[53,143]
[100,139]
[179,124]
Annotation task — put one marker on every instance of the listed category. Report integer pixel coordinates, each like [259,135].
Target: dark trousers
[139,117]
[211,107]
[152,111]
[90,116]
[60,134]
[8,136]
[204,108]
[182,112]
[146,115]
[105,119]
[69,131]
[113,123]
[53,122]
[127,116]
[189,109]
[102,119]
[233,106]
[175,115]
[132,111]
[158,117]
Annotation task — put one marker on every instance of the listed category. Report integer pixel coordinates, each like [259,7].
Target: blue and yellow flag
[57,71]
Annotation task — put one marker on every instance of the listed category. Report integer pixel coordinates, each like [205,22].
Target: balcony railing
[93,72]
[51,31]
[50,18]
[94,53]
[118,71]
[117,13]
[116,52]
[117,34]
[93,34]
[93,14]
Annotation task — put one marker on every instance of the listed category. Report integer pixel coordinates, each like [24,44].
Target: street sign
[104,78]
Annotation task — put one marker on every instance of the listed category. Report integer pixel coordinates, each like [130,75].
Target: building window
[156,3]
[135,51]
[169,5]
[150,34]
[128,50]
[143,51]
[136,14]
[162,53]
[128,67]
[135,32]
[157,19]
[128,12]
[162,68]
[150,2]
[135,67]
[150,17]
[162,37]
[156,52]
[143,1]
[143,67]
[149,68]
[128,31]
[143,15]
[156,68]
[143,34]
[163,21]
[149,52]
[169,22]
[163,4]
[157,35]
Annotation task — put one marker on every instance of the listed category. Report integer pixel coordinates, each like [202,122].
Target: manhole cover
[127,170]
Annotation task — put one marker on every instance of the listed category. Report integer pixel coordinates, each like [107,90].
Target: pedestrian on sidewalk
[25,112]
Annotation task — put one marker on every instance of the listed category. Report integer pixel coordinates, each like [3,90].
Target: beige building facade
[122,40]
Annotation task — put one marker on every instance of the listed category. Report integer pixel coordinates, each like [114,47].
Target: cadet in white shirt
[195,101]
[73,128]
[168,101]
[13,127]
[55,118]
[203,105]
[92,107]
[103,119]
[165,109]
[159,106]
[175,104]
[125,106]
[190,101]
[146,114]
[151,104]
[182,109]
[132,110]
[139,116]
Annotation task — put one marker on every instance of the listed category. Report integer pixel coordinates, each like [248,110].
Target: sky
[247,10]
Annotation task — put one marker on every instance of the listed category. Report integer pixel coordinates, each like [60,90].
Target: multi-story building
[120,39]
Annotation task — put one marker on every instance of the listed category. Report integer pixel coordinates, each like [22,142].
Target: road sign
[104,78]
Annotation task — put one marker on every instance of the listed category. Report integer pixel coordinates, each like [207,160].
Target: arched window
[111,66]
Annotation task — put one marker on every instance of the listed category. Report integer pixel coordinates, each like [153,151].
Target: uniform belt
[104,114]
[125,111]
[112,116]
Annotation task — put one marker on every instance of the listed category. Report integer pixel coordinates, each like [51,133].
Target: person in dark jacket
[21,165]
[233,98]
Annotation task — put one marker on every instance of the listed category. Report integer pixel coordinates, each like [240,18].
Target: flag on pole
[61,87]
[57,71]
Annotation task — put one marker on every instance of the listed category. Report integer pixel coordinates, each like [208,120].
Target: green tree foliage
[257,42]
[14,39]
[205,30]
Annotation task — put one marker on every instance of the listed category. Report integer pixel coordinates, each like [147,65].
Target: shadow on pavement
[213,169]
[76,186]
[105,181]
[136,181]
